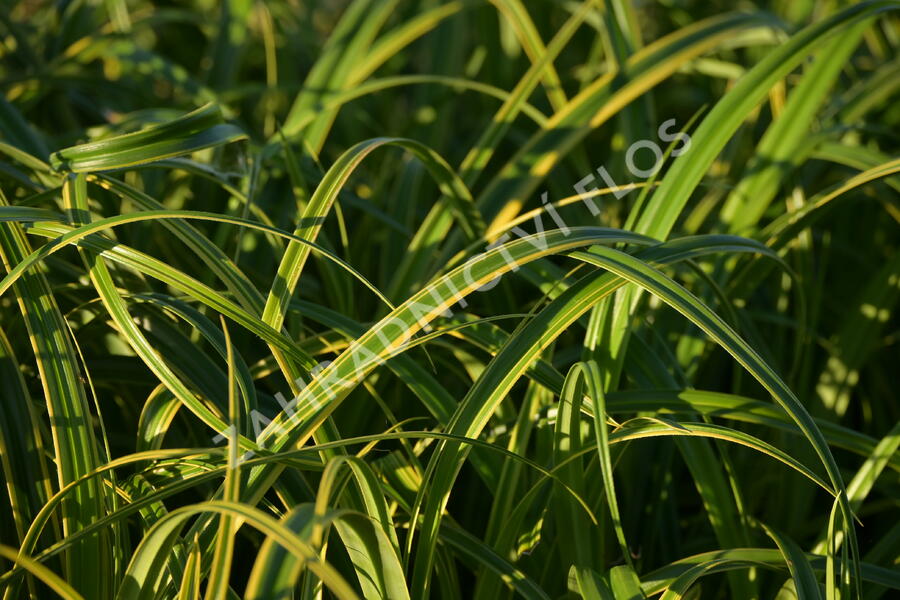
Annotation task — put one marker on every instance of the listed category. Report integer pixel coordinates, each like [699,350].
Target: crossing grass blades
[382,299]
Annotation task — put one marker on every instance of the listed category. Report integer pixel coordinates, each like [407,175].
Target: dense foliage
[449,299]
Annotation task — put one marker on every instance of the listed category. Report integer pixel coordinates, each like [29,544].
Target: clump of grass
[464,300]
